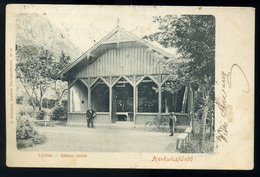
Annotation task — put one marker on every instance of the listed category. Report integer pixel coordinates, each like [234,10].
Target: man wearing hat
[90,116]
[172,122]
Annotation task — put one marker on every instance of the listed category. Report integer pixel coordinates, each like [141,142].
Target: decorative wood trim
[94,82]
[160,78]
[164,80]
[105,81]
[72,83]
[130,82]
[140,80]
[84,82]
[89,82]
[88,53]
[86,79]
[116,80]
[155,81]
[118,41]
[131,78]
[107,78]
[110,80]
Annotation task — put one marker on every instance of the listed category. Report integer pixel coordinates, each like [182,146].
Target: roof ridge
[108,36]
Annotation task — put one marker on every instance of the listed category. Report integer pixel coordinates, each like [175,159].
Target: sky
[85,26]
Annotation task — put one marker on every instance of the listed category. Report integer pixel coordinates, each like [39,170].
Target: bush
[41,114]
[19,100]
[59,113]
[24,109]
[64,103]
[31,100]
[39,139]
[21,143]
[193,146]
[24,143]
[26,135]
[25,129]
[48,103]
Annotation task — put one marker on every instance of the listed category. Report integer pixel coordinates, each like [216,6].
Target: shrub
[64,103]
[25,129]
[31,100]
[21,143]
[24,109]
[39,139]
[41,114]
[26,135]
[59,113]
[19,100]
[193,146]
[48,103]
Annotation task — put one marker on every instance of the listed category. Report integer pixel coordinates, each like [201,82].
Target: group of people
[91,114]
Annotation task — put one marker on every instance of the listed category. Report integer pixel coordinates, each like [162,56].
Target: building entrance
[123,91]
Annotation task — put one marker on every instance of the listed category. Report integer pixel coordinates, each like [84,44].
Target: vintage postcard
[130,87]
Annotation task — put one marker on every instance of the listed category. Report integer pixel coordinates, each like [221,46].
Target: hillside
[36,29]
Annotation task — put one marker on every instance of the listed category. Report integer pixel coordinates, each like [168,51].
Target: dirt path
[104,139]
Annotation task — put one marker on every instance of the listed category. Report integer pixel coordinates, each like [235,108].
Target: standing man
[172,122]
[90,116]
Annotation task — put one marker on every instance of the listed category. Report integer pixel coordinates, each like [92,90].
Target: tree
[34,69]
[58,86]
[194,38]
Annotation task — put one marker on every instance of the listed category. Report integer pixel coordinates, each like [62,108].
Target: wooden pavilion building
[122,81]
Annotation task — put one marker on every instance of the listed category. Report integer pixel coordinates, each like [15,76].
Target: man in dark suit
[172,122]
[90,116]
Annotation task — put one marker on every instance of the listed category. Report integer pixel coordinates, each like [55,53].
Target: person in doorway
[90,117]
[172,122]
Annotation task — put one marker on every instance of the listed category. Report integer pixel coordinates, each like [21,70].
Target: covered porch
[130,99]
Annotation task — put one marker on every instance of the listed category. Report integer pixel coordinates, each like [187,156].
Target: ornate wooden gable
[117,54]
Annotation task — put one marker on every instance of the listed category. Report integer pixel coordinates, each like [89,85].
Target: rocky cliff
[36,29]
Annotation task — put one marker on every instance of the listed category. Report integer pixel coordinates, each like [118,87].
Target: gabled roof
[116,36]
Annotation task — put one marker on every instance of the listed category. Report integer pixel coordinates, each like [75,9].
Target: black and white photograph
[118,80]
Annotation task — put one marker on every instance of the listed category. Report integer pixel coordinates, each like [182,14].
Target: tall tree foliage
[59,86]
[194,38]
[36,68]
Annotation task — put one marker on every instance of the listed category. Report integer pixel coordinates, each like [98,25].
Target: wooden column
[135,86]
[135,102]
[89,96]
[110,99]
[160,99]
[160,95]
[69,101]
[184,102]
